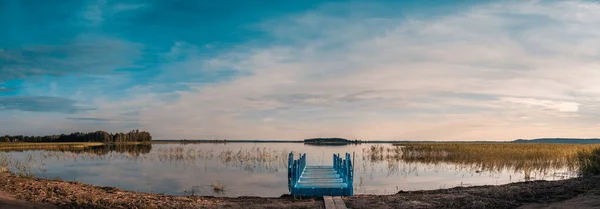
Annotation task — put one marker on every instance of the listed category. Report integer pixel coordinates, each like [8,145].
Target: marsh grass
[251,160]
[26,168]
[4,163]
[495,157]
[46,145]
[589,162]
[255,159]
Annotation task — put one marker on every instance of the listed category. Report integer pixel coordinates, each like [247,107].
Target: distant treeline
[97,136]
[559,141]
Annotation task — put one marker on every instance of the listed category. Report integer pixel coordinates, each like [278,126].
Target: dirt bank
[7,201]
[77,195]
[20,192]
[536,194]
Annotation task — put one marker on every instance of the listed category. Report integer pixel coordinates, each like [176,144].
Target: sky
[369,70]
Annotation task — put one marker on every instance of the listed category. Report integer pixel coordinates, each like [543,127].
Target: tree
[97,136]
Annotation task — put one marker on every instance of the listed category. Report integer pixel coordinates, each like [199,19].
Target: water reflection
[329,144]
[259,169]
[131,149]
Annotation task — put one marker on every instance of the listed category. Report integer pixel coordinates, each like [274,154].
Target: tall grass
[252,159]
[26,168]
[589,162]
[4,163]
[493,157]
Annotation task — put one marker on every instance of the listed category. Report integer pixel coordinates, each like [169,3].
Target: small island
[330,141]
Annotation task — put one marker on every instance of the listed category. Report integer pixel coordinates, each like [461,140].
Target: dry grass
[217,187]
[251,160]
[497,156]
[589,162]
[25,168]
[46,145]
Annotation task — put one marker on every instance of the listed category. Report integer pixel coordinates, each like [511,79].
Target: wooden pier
[319,181]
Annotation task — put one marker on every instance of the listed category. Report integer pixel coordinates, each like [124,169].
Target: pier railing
[344,167]
[295,169]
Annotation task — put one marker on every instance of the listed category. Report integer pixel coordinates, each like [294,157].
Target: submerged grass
[251,160]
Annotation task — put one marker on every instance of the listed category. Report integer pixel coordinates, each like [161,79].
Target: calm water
[254,169]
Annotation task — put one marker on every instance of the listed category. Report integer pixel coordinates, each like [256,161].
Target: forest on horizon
[96,136]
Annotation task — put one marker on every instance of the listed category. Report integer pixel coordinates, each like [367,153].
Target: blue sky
[387,70]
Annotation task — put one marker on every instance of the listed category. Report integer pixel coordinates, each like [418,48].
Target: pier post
[350,169]
[290,174]
[335,160]
[294,173]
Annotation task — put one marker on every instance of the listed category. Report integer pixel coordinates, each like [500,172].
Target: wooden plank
[339,203]
[329,204]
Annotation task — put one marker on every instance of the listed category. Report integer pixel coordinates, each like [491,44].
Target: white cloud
[474,74]
[553,105]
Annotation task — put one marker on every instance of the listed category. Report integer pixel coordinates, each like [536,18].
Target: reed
[26,168]
[4,162]
[252,159]
[589,162]
[498,156]
[46,145]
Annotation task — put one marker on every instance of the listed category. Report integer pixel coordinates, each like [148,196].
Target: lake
[258,169]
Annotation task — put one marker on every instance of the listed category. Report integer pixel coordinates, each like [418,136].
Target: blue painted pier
[319,181]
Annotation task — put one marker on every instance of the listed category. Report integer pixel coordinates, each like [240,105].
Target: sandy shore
[21,192]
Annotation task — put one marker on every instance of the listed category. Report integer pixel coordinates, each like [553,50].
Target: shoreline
[44,145]
[80,145]
[26,192]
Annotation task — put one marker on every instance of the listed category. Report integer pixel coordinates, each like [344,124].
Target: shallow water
[254,169]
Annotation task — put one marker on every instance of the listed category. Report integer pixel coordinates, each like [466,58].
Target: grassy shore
[48,145]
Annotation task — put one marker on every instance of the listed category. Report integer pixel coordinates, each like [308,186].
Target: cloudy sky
[371,70]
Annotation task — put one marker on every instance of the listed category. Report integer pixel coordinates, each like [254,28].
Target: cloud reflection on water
[251,169]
